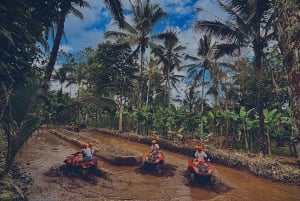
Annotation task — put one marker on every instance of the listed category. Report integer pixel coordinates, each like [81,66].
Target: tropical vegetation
[127,82]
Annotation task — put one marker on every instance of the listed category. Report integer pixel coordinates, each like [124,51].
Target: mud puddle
[39,165]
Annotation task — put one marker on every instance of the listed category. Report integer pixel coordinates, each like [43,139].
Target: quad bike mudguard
[154,161]
[200,171]
[77,160]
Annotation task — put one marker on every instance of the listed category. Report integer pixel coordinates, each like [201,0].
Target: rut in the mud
[44,180]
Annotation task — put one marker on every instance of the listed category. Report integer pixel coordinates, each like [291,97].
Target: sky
[181,15]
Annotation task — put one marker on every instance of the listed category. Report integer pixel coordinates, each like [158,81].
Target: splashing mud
[43,177]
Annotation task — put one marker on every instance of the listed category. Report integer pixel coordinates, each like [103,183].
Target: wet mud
[39,168]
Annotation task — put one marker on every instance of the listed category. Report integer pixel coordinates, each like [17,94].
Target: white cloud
[98,19]
[66,48]
[210,11]
[81,33]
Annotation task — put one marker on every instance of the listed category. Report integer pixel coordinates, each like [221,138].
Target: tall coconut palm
[249,27]
[145,16]
[61,76]
[153,75]
[169,54]
[289,43]
[206,61]
[65,7]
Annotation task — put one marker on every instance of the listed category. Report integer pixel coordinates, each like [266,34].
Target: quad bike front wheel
[192,177]
[159,168]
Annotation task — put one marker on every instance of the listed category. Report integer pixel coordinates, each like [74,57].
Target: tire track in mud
[115,155]
[125,182]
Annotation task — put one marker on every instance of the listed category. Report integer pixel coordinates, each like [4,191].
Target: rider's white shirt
[88,152]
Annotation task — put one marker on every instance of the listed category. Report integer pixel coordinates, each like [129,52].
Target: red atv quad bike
[200,172]
[154,161]
[74,163]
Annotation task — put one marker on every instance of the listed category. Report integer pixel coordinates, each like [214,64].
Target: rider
[200,155]
[88,153]
[81,152]
[91,145]
[83,146]
[154,146]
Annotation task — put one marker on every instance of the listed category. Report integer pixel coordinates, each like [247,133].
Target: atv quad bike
[75,164]
[200,172]
[154,161]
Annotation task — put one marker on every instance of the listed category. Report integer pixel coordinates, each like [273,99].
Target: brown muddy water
[40,159]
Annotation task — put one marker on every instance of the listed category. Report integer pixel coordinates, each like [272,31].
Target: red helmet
[198,148]
[84,145]
[91,144]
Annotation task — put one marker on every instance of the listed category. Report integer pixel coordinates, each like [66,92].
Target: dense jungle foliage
[129,80]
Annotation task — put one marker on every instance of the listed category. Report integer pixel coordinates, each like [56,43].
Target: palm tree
[169,54]
[65,7]
[289,43]
[61,76]
[250,27]
[153,75]
[206,60]
[21,117]
[145,17]
[191,98]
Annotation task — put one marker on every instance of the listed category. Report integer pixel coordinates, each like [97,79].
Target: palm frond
[116,34]
[226,49]
[219,29]
[116,8]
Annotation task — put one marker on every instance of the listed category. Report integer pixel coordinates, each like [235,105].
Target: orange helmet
[84,145]
[91,144]
[200,148]
[153,142]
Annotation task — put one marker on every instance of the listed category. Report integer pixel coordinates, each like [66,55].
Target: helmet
[84,145]
[196,147]
[153,142]
[200,148]
[91,144]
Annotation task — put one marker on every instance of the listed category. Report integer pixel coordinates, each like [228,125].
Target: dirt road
[40,159]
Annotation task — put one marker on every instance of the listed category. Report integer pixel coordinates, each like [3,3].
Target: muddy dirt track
[40,160]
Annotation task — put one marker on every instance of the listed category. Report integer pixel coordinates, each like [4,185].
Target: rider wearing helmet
[91,145]
[87,152]
[154,146]
[200,155]
[84,145]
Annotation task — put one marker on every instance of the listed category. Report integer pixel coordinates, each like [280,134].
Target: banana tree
[210,119]
[271,118]
[146,115]
[163,120]
[247,124]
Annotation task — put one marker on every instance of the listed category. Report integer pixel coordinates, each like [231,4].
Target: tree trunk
[139,104]
[121,107]
[246,138]
[288,33]
[269,143]
[54,51]
[258,51]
